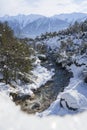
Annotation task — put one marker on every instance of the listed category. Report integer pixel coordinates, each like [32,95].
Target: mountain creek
[47,93]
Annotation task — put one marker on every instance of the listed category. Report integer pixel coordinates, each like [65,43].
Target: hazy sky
[44,7]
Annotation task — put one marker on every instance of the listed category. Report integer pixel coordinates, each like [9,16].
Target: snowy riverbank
[39,76]
[11,118]
[74,97]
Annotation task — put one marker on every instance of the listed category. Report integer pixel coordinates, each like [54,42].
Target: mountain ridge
[34,25]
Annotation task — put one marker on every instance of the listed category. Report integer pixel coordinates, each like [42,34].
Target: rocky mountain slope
[35,25]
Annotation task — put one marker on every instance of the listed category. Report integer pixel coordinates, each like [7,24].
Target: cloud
[10,7]
[44,7]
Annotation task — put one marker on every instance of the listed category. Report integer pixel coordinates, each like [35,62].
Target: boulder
[42,57]
[73,100]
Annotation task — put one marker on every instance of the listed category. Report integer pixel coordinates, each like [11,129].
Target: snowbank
[43,75]
[11,118]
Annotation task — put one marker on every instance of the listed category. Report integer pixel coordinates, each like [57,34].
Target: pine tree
[14,55]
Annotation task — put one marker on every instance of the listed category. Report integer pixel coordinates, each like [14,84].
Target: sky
[43,7]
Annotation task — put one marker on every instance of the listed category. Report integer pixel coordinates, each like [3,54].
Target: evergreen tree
[14,55]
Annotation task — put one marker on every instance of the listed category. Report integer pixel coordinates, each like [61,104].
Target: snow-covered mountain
[17,23]
[72,17]
[43,25]
[21,19]
[67,48]
[33,25]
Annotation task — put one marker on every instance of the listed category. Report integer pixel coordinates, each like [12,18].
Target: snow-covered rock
[73,100]
[42,57]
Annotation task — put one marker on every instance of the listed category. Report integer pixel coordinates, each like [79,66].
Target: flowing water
[47,93]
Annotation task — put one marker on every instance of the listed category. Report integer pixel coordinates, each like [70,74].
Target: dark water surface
[47,93]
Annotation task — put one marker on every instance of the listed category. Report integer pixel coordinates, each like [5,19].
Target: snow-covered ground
[11,118]
[71,101]
[74,97]
[39,76]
